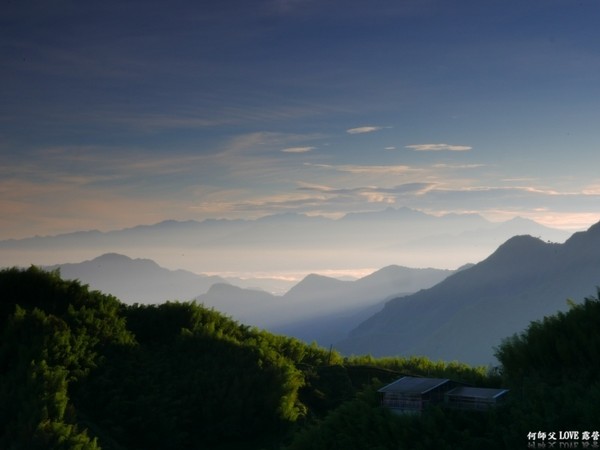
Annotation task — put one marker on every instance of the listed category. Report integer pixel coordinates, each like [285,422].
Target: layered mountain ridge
[465,316]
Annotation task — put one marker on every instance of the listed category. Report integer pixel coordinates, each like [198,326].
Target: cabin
[473,398]
[410,395]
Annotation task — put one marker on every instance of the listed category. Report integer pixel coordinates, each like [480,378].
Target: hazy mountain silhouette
[292,243]
[317,308]
[137,280]
[248,306]
[320,308]
[470,312]
[142,280]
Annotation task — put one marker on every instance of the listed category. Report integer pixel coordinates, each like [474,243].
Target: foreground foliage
[552,370]
[81,370]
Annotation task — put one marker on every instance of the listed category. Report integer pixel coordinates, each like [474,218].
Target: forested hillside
[552,370]
[464,316]
[79,369]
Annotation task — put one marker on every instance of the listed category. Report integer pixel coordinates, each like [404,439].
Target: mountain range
[469,313]
[136,280]
[288,246]
[320,308]
[443,314]
[317,308]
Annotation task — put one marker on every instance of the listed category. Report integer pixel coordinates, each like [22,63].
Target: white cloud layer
[361,130]
[438,147]
[366,169]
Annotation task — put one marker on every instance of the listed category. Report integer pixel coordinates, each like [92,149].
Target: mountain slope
[320,308]
[137,280]
[470,312]
[249,306]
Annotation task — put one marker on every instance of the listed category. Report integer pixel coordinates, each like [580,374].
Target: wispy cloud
[308,198]
[457,166]
[256,206]
[361,130]
[298,149]
[267,141]
[350,168]
[593,189]
[371,194]
[399,189]
[438,147]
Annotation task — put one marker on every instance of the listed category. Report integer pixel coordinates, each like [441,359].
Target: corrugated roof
[413,385]
[474,392]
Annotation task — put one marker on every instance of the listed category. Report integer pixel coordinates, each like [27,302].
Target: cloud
[438,147]
[375,169]
[593,189]
[313,199]
[406,188]
[350,168]
[361,130]
[266,142]
[297,149]
[457,166]
[390,148]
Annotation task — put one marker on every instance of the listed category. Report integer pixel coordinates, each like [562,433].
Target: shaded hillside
[317,295]
[253,307]
[137,280]
[333,309]
[80,370]
[327,328]
[551,372]
[320,308]
[469,313]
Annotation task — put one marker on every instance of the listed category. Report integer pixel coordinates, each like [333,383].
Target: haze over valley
[452,314]
[277,251]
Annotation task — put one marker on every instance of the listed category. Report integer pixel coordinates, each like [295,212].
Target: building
[410,395]
[473,398]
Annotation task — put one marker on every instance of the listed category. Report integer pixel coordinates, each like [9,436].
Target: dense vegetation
[81,370]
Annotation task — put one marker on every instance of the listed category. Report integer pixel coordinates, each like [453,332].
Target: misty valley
[117,352]
[299,225]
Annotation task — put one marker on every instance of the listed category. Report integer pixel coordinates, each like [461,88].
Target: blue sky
[131,112]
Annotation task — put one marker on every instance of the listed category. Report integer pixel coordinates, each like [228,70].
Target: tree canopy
[81,370]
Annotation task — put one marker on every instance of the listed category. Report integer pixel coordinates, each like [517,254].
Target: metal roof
[478,393]
[413,385]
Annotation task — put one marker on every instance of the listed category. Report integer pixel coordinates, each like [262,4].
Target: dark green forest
[81,370]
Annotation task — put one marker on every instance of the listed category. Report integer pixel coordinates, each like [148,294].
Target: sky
[119,113]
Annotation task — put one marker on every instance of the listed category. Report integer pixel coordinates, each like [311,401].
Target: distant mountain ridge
[288,243]
[320,308]
[137,280]
[317,308]
[470,312]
